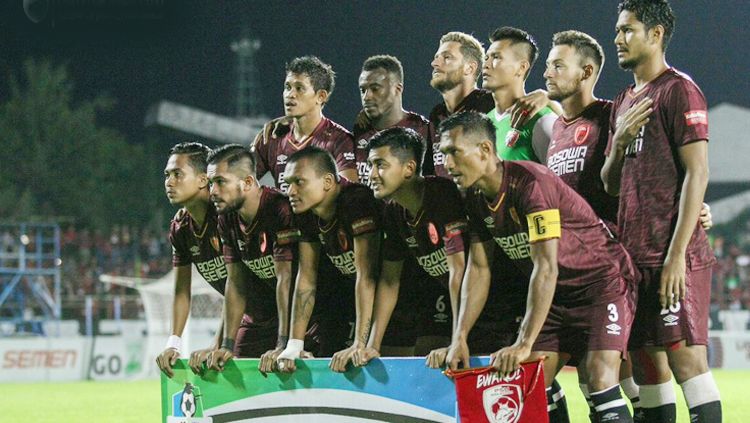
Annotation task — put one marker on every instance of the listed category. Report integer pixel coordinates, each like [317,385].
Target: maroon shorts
[434,309]
[255,338]
[600,321]
[404,325]
[688,319]
[497,325]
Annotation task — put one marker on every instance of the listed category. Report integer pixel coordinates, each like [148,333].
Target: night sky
[185,56]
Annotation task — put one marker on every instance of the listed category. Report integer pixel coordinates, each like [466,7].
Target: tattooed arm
[366,254]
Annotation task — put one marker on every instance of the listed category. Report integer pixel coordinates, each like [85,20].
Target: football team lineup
[519,216]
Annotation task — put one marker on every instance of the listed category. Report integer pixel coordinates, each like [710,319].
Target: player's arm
[628,126]
[366,261]
[474,290]
[386,297]
[541,291]
[283,285]
[302,304]
[350,174]
[234,307]
[180,312]
[529,105]
[694,158]
[456,266]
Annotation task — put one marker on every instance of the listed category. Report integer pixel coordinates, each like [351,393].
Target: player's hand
[363,356]
[436,358]
[166,360]
[288,365]
[197,358]
[672,287]
[342,358]
[528,106]
[629,124]
[267,362]
[218,358]
[458,353]
[508,359]
[706,218]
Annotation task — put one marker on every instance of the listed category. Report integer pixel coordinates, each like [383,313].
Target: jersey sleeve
[228,243]
[363,211]
[542,134]
[343,152]
[541,210]
[612,125]
[478,232]
[260,149]
[454,216]
[307,227]
[180,252]
[287,234]
[688,113]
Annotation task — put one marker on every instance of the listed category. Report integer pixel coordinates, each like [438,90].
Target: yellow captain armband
[544,225]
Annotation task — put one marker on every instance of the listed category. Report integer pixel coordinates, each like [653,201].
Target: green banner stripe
[288,411]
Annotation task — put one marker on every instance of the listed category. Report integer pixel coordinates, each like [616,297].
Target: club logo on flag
[434,237]
[503,403]
[581,133]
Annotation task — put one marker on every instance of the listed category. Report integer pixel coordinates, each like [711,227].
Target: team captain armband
[544,225]
[364,225]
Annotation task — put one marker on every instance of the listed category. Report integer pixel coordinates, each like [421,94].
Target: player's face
[501,65]
[181,181]
[226,188]
[447,67]
[462,157]
[379,91]
[564,73]
[632,41]
[387,173]
[300,98]
[306,189]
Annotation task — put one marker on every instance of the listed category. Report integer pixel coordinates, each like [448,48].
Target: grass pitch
[125,402]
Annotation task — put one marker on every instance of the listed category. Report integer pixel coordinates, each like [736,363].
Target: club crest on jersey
[281,159]
[503,403]
[432,231]
[215,243]
[582,131]
[343,241]
[263,242]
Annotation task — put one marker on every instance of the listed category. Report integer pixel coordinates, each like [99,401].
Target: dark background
[181,53]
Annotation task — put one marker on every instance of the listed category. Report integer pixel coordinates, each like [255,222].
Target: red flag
[484,397]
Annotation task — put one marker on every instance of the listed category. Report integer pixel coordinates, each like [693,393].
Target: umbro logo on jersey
[610,417]
[362,143]
[281,159]
[411,241]
[195,250]
[613,329]
[489,221]
[670,320]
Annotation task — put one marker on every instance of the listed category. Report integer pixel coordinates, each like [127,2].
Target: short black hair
[652,13]
[405,143]
[321,159]
[235,155]
[321,74]
[473,123]
[386,62]
[518,36]
[586,46]
[197,154]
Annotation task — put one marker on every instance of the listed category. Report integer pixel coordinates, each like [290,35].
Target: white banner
[117,357]
[42,359]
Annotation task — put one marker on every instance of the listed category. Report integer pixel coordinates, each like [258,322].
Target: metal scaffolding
[29,276]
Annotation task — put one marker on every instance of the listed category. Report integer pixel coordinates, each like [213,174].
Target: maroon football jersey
[652,174]
[362,135]
[357,213]
[257,244]
[534,205]
[272,154]
[201,246]
[576,154]
[438,230]
[478,100]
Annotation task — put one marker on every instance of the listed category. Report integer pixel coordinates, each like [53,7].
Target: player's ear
[470,67]
[588,71]
[410,170]
[523,67]
[329,181]
[487,148]
[656,34]
[400,87]
[322,96]
[249,181]
[203,180]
